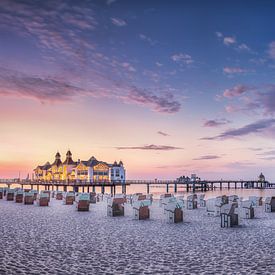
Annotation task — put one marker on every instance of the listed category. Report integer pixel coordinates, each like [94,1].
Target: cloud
[182,58]
[128,66]
[152,147]
[233,70]
[159,103]
[215,122]
[55,26]
[268,153]
[159,64]
[163,134]
[266,100]
[255,149]
[252,128]
[229,40]
[244,47]
[110,2]
[207,157]
[219,34]
[143,37]
[271,50]
[235,91]
[118,22]
[44,89]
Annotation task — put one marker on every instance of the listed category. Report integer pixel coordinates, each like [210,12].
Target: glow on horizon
[167,97]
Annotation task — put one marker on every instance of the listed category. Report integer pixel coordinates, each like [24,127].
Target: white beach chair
[191,201]
[141,209]
[173,211]
[270,204]
[246,210]
[229,215]
[115,207]
[201,200]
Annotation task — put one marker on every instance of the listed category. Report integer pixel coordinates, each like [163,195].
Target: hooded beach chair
[246,210]
[173,211]
[29,197]
[270,204]
[115,207]
[92,197]
[19,196]
[44,198]
[10,194]
[59,195]
[229,215]
[191,201]
[69,198]
[141,209]
[83,202]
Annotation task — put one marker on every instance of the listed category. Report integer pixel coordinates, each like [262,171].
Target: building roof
[69,160]
[57,162]
[46,166]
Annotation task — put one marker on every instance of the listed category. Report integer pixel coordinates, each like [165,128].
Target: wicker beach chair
[69,198]
[270,204]
[229,215]
[246,210]
[173,211]
[59,195]
[10,194]
[44,198]
[141,209]
[191,202]
[19,196]
[92,197]
[256,201]
[115,207]
[29,197]
[201,200]
[83,202]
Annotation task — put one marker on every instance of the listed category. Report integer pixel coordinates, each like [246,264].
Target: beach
[59,240]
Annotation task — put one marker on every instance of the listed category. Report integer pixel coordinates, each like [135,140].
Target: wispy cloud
[229,40]
[234,70]
[148,39]
[118,22]
[159,103]
[44,89]
[152,147]
[215,122]
[207,157]
[163,134]
[235,91]
[257,127]
[182,58]
[267,153]
[244,47]
[255,149]
[271,50]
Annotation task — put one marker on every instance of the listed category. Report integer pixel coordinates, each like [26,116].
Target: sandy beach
[59,240]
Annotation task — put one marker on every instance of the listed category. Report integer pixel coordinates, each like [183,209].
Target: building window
[117,172]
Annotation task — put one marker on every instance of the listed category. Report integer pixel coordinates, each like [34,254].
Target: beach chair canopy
[84,197]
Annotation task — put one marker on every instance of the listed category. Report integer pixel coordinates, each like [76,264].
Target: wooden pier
[190,186]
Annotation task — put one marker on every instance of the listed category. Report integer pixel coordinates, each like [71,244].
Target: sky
[168,87]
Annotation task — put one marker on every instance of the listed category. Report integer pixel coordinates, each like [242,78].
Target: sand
[59,240]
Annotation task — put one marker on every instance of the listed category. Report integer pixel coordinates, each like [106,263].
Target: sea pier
[189,186]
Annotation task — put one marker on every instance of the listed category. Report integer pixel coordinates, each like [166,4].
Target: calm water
[157,190]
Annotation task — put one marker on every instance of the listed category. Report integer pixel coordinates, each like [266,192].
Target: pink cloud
[235,91]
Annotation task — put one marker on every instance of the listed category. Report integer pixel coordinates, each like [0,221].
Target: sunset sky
[168,87]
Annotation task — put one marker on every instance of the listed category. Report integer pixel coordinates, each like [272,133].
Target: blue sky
[187,85]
